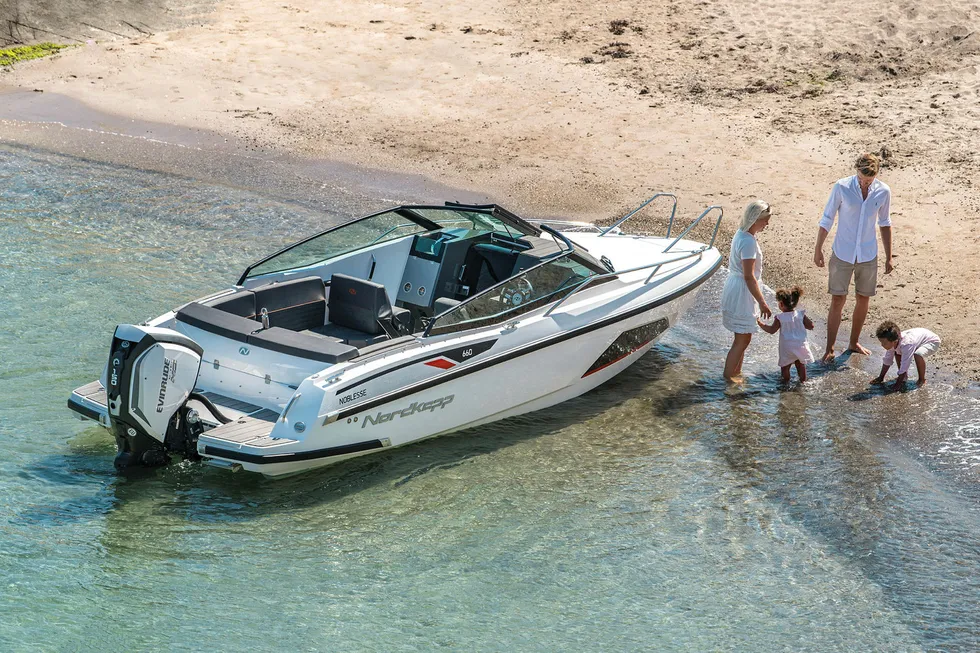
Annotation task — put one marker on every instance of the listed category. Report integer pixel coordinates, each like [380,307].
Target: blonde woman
[742,302]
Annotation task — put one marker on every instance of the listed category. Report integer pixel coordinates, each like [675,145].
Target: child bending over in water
[792,325]
[908,345]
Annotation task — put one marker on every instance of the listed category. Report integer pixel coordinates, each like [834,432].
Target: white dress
[793,345]
[739,310]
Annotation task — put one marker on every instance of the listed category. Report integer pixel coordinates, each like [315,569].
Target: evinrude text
[169,373]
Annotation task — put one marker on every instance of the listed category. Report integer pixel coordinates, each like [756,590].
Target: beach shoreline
[421,100]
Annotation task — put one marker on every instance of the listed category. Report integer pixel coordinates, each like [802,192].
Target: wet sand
[565,110]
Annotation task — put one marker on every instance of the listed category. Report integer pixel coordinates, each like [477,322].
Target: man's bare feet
[920,382]
[829,355]
[735,380]
[858,348]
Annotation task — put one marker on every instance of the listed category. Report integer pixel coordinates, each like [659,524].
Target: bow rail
[659,264]
[670,225]
[585,282]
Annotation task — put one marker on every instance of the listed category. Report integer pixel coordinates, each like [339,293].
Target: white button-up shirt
[856,241]
[908,342]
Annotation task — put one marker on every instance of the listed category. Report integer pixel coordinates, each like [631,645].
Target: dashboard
[433,267]
[436,265]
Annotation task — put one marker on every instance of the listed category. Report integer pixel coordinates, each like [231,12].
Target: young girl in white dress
[741,301]
[792,325]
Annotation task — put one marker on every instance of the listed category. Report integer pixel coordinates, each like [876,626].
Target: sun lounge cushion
[352,337]
[217,321]
[530,257]
[302,345]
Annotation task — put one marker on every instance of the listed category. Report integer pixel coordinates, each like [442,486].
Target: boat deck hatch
[90,401]
[251,430]
[93,392]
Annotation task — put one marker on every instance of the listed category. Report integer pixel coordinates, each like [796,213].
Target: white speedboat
[399,326]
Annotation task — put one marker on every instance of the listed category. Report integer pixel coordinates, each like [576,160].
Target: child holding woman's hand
[792,325]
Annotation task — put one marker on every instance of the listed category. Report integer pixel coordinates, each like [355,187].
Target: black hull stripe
[443,378]
[616,360]
[259,459]
[461,371]
[410,363]
[83,410]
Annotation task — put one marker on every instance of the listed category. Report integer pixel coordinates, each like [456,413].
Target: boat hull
[272,401]
[506,384]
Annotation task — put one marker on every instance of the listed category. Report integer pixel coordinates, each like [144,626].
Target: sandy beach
[562,109]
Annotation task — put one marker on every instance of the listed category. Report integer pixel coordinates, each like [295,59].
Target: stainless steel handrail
[629,215]
[589,280]
[721,214]
[558,235]
[656,266]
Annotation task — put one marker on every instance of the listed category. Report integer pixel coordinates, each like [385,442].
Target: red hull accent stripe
[441,363]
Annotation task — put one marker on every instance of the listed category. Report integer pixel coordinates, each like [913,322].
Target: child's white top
[908,342]
[791,326]
[793,345]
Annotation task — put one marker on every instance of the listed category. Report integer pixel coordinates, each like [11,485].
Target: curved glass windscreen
[469,220]
[342,240]
[391,225]
[520,294]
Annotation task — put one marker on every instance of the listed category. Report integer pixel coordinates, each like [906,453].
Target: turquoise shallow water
[660,512]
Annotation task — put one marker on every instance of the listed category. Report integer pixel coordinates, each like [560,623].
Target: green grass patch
[10,56]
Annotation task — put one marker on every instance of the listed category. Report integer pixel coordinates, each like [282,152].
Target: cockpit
[423,270]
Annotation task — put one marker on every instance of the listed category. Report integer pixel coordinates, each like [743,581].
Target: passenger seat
[360,313]
[296,304]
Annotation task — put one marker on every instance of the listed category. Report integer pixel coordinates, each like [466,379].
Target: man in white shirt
[857,202]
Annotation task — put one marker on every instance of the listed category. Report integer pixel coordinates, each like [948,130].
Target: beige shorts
[926,349]
[865,277]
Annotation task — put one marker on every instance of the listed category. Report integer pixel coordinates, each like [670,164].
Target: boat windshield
[522,293]
[386,226]
[476,221]
[344,239]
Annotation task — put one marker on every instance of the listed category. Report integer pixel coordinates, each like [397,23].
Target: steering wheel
[517,292]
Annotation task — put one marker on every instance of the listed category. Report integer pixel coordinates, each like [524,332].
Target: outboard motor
[151,373]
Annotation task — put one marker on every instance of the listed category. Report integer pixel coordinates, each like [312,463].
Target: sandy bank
[560,109]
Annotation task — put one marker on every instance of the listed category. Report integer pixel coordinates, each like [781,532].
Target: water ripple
[662,511]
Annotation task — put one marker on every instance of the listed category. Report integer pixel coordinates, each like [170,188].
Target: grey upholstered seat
[488,264]
[296,304]
[443,304]
[360,313]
